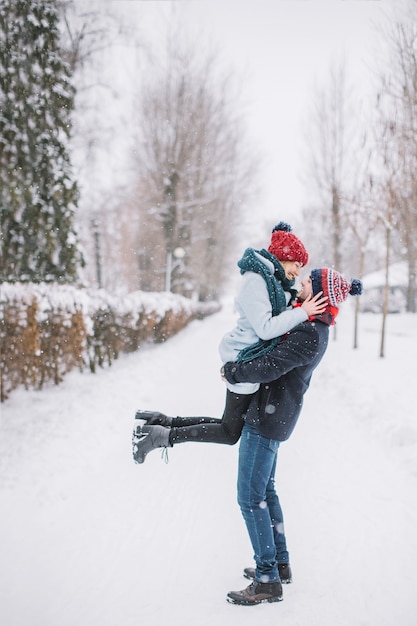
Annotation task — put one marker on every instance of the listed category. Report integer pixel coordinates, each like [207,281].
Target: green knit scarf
[277,284]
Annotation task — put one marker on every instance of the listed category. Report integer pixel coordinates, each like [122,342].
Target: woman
[264,305]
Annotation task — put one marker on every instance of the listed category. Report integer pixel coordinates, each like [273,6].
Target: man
[285,374]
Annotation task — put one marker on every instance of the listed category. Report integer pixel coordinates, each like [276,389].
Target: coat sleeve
[298,349]
[253,299]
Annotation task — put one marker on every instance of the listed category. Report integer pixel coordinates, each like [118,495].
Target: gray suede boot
[147,438]
[153,418]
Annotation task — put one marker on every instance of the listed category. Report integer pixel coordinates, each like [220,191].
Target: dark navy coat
[285,374]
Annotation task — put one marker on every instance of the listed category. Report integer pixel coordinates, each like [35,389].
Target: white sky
[282,48]
[285,48]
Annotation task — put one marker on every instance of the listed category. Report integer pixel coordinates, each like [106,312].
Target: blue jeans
[259,502]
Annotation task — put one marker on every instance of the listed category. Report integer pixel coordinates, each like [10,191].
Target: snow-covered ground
[91,539]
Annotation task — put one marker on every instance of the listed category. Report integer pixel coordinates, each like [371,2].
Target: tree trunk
[386,291]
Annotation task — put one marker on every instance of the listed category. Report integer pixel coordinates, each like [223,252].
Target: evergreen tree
[38,197]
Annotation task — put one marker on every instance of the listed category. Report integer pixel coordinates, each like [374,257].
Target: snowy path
[91,539]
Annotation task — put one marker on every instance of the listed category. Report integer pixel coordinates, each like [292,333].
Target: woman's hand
[315,305]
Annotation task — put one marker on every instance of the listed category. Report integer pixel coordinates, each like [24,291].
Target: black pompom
[356,287]
[282,226]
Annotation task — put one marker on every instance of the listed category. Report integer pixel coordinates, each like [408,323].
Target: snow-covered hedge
[47,330]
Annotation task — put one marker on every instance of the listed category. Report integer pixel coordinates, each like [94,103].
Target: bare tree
[399,87]
[361,220]
[396,148]
[387,194]
[338,174]
[331,145]
[192,170]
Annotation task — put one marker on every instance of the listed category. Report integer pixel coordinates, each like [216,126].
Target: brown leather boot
[256,593]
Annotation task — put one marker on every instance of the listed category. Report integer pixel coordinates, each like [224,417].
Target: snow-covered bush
[47,330]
